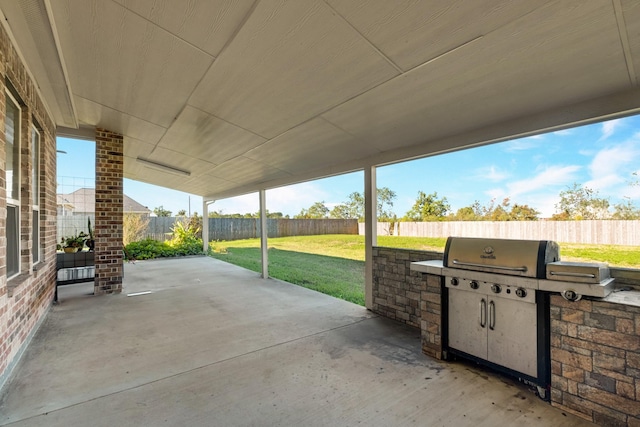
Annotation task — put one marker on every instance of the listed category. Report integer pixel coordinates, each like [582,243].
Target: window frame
[36,237]
[13,203]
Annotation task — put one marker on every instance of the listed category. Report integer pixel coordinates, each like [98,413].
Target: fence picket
[600,232]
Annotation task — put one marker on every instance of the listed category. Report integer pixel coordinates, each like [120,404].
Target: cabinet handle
[492,315]
[483,313]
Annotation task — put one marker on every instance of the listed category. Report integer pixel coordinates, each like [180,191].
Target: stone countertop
[620,295]
[430,267]
[624,296]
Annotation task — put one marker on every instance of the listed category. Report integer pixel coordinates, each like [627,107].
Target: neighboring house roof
[61,200]
[84,200]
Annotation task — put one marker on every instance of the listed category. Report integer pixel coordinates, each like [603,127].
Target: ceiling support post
[205,225]
[263,234]
[108,228]
[370,231]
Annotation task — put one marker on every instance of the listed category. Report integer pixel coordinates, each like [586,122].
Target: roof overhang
[250,95]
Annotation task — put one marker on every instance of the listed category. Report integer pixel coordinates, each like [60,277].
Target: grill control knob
[521,292]
[454,281]
[496,288]
[474,284]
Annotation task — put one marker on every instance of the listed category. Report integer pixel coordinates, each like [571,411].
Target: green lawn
[339,276]
[334,264]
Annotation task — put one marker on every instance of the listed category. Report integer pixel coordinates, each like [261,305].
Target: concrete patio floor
[215,345]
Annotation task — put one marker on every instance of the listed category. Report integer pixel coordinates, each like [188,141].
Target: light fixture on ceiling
[162,167]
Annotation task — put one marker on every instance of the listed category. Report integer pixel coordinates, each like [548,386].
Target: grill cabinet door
[466,312]
[512,342]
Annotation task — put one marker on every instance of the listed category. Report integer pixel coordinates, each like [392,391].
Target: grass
[334,264]
[337,276]
[334,245]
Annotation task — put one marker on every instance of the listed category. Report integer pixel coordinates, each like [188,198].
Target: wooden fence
[249,228]
[602,232]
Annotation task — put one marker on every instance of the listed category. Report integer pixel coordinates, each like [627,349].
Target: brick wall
[25,299]
[109,202]
[595,360]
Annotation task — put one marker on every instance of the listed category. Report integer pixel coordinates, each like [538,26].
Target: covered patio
[214,344]
[223,98]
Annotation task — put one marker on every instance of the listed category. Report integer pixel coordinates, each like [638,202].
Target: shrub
[149,249]
[133,227]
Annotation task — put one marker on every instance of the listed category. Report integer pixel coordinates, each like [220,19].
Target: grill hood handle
[497,267]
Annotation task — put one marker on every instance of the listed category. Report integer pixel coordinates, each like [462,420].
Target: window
[35,187]
[12,137]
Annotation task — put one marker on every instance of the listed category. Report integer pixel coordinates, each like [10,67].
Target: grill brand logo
[487,253]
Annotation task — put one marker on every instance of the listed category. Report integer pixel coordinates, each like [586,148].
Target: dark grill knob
[474,284]
[521,292]
[454,281]
[496,289]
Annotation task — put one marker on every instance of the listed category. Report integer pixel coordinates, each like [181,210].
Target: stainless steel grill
[526,258]
[497,310]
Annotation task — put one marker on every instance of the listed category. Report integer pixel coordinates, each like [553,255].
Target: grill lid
[526,258]
[580,272]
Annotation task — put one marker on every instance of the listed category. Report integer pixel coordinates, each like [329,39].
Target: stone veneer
[595,360]
[26,298]
[396,289]
[408,296]
[109,202]
[595,344]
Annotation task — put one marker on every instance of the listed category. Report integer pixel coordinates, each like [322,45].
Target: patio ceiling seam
[624,40]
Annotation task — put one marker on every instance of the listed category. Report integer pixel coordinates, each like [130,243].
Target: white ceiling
[247,95]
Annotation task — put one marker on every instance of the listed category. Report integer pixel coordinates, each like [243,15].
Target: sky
[531,171]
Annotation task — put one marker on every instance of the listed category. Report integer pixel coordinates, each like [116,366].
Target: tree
[161,211]
[354,207]
[492,212]
[316,211]
[385,204]
[182,212]
[524,213]
[428,208]
[626,210]
[578,203]
[351,209]
[469,213]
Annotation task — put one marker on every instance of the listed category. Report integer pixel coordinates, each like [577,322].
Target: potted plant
[91,243]
[73,243]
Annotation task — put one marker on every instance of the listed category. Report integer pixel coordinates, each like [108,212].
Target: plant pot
[70,250]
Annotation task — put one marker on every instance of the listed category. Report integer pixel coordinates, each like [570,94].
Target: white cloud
[496,193]
[611,166]
[551,176]
[563,132]
[289,200]
[523,144]
[491,173]
[546,204]
[248,203]
[608,128]
[604,182]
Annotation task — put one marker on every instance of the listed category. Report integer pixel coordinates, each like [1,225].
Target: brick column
[108,224]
